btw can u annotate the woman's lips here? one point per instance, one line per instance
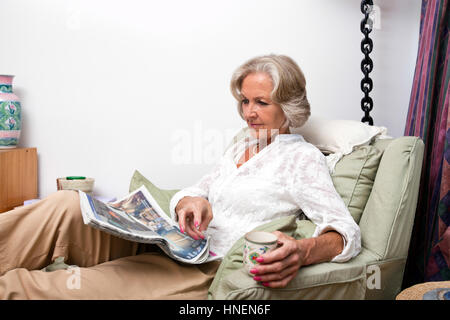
(255, 125)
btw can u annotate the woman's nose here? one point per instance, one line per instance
(251, 116)
(250, 110)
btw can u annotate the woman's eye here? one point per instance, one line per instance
(245, 101)
(262, 103)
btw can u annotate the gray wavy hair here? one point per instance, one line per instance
(289, 86)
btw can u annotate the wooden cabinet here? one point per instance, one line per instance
(18, 177)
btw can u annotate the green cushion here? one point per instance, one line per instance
(58, 264)
(161, 196)
(353, 178)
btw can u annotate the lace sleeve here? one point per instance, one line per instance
(312, 188)
(200, 189)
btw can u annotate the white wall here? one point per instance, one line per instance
(106, 84)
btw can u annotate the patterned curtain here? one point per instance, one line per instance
(428, 118)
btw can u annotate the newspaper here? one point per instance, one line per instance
(138, 217)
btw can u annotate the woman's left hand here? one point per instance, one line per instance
(278, 267)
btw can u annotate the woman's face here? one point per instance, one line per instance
(260, 113)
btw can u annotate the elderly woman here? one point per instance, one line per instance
(272, 174)
(268, 174)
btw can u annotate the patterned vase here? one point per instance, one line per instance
(10, 114)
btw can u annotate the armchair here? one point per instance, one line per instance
(386, 225)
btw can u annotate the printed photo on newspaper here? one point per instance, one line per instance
(138, 217)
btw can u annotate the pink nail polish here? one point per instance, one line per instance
(265, 284)
(259, 259)
(181, 229)
(256, 278)
(254, 271)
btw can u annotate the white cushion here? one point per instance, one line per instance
(332, 136)
(336, 138)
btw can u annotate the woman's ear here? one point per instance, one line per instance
(285, 126)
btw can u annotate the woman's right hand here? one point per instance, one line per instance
(194, 216)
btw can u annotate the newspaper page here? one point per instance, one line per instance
(138, 217)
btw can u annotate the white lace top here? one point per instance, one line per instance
(286, 177)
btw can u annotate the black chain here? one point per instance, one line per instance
(366, 63)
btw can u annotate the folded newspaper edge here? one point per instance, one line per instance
(138, 217)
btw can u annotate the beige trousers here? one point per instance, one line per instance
(103, 266)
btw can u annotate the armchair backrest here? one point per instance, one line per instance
(388, 217)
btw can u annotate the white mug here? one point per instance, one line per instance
(257, 243)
